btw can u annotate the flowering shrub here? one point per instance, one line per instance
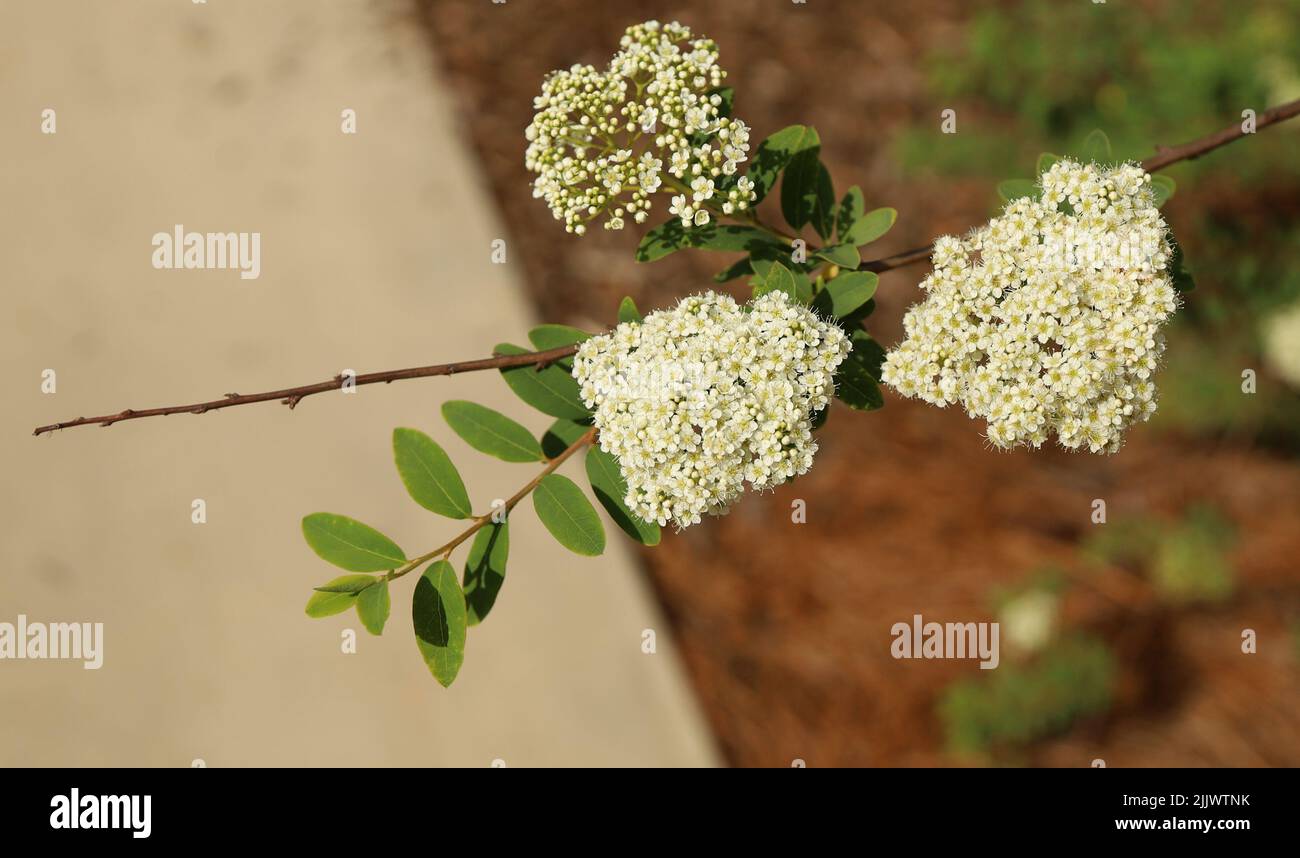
(1044, 321)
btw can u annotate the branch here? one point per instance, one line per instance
(1166, 155)
(291, 396)
(1188, 151)
(444, 551)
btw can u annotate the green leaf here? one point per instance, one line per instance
(551, 390)
(854, 319)
(740, 268)
(1014, 189)
(668, 237)
(568, 515)
(1162, 188)
(546, 337)
(373, 605)
(855, 387)
(1178, 273)
(728, 96)
(348, 543)
(730, 237)
(440, 619)
(807, 195)
(774, 153)
(491, 432)
(610, 488)
(871, 226)
(428, 474)
(1096, 147)
(774, 275)
(843, 255)
(778, 279)
(349, 584)
(485, 570)
(1045, 162)
(850, 212)
(847, 293)
(627, 312)
(561, 435)
(867, 352)
(336, 596)
(671, 237)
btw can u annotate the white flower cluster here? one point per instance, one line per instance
(605, 141)
(1048, 319)
(697, 400)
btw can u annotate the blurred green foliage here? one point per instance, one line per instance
(1021, 703)
(1186, 560)
(1039, 76)
(1143, 72)
(1061, 678)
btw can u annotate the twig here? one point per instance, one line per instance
(898, 260)
(291, 396)
(1166, 155)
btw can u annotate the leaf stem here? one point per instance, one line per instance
(444, 551)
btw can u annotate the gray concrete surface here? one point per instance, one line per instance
(225, 116)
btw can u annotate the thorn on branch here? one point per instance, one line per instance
(291, 401)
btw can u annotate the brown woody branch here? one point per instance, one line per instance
(291, 396)
(1165, 156)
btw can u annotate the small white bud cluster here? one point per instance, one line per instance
(697, 400)
(1048, 319)
(605, 141)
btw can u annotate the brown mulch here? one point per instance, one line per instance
(785, 627)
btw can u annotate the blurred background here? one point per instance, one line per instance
(1121, 642)
(1125, 638)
